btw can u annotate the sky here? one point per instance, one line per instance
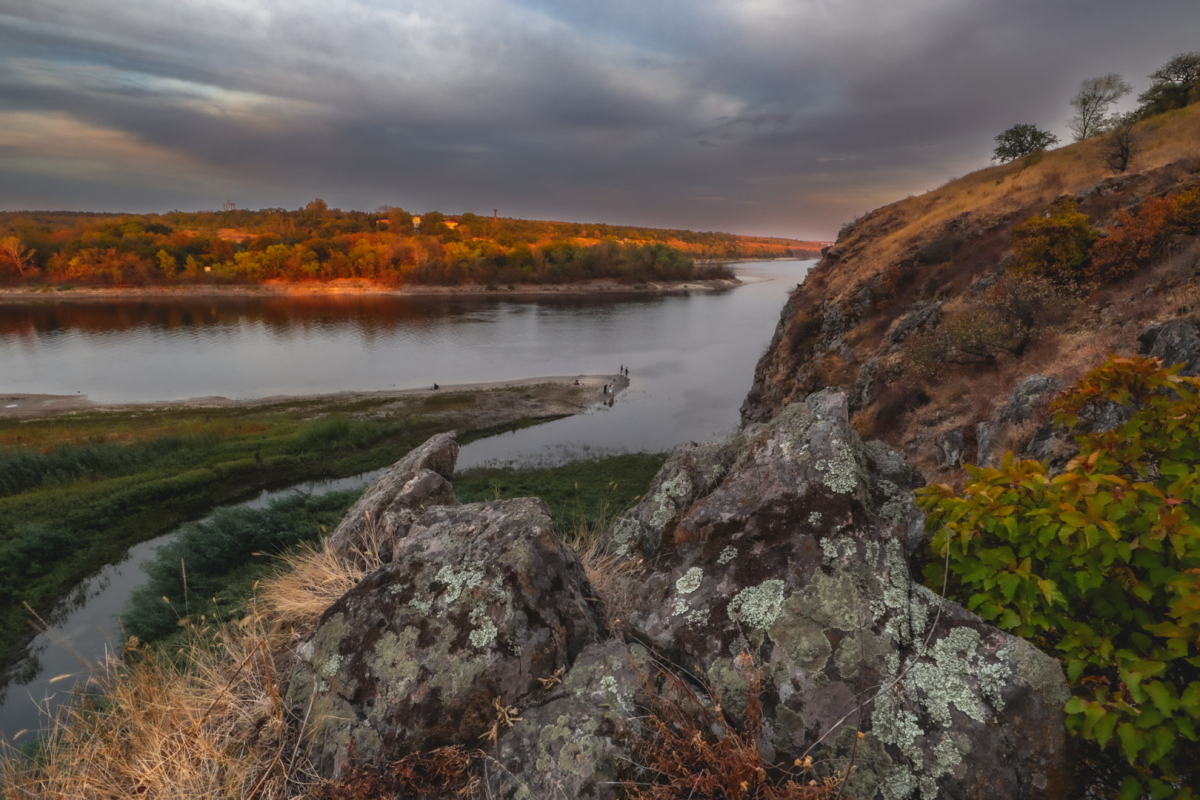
(768, 117)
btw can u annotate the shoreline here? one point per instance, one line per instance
(18, 405)
(357, 288)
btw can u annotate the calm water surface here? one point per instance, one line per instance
(691, 360)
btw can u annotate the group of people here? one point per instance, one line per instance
(611, 388)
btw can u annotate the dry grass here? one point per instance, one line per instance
(688, 749)
(442, 773)
(1009, 188)
(205, 722)
(312, 579)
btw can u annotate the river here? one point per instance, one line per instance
(690, 356)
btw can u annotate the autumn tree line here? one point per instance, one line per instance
(318, 243)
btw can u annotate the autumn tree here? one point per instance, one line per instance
(1021, 140)
(14, 254)
(1092, 102)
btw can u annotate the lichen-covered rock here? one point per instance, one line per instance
(388, 507)
(1175, 342)
(482, 601)
(791, 560)
(689, 473)
(570, 745)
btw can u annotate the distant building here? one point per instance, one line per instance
(416, 222)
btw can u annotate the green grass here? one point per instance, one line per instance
(579, 493)
(226, 556)
(76, 491)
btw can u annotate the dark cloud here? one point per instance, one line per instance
(760, 116)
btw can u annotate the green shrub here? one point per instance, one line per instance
(1054, 245)
(1102, 564)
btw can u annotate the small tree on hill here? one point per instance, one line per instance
(1176, 84)
(1122, 140)
(1092, 102)
(1021, 140)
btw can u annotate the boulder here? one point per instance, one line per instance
(792, 561)
(388, 507)
(950, 446)
(570, 744)
(483, 600)
(1175, 342)
(1031, 393)
(689, 473)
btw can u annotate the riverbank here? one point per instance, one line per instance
(554, 395)
(80, 484)
(359, 287)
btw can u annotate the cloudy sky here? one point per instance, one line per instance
(782, 117)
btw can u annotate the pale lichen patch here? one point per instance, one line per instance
(690, 581)
(727, 555)
(758, 606)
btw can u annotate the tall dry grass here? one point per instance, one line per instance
(203, 719)
(203, 722)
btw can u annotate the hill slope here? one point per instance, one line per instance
(918, 311)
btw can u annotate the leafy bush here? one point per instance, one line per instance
(1132, 242)
(1102, 564)
(1054, 245)
(1186, 213)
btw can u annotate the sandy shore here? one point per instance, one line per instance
(351, 287)
(541, 396)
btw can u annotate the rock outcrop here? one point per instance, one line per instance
(1175, 342)
(794, 560)
(388, 508)
(1026, 399)
(572, 744)
(787, 548)
(483, 600)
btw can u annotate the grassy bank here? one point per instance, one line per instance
(77, 490)
(225, 557)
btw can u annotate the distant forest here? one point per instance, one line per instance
(389, 246)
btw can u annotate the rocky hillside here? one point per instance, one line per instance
(946, 352)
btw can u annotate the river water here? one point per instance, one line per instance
(691, 359)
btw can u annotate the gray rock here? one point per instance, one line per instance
(950, 446)
(387, 508)
(389, 518)
(922, 314)
(1025, 400)
(790, 560)
(689, 473)
(570, 745)
(1175, 342)
(482, 601)
(865, 388)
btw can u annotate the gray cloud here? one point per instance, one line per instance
(760, 116)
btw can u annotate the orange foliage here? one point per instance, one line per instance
(1132, 242)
